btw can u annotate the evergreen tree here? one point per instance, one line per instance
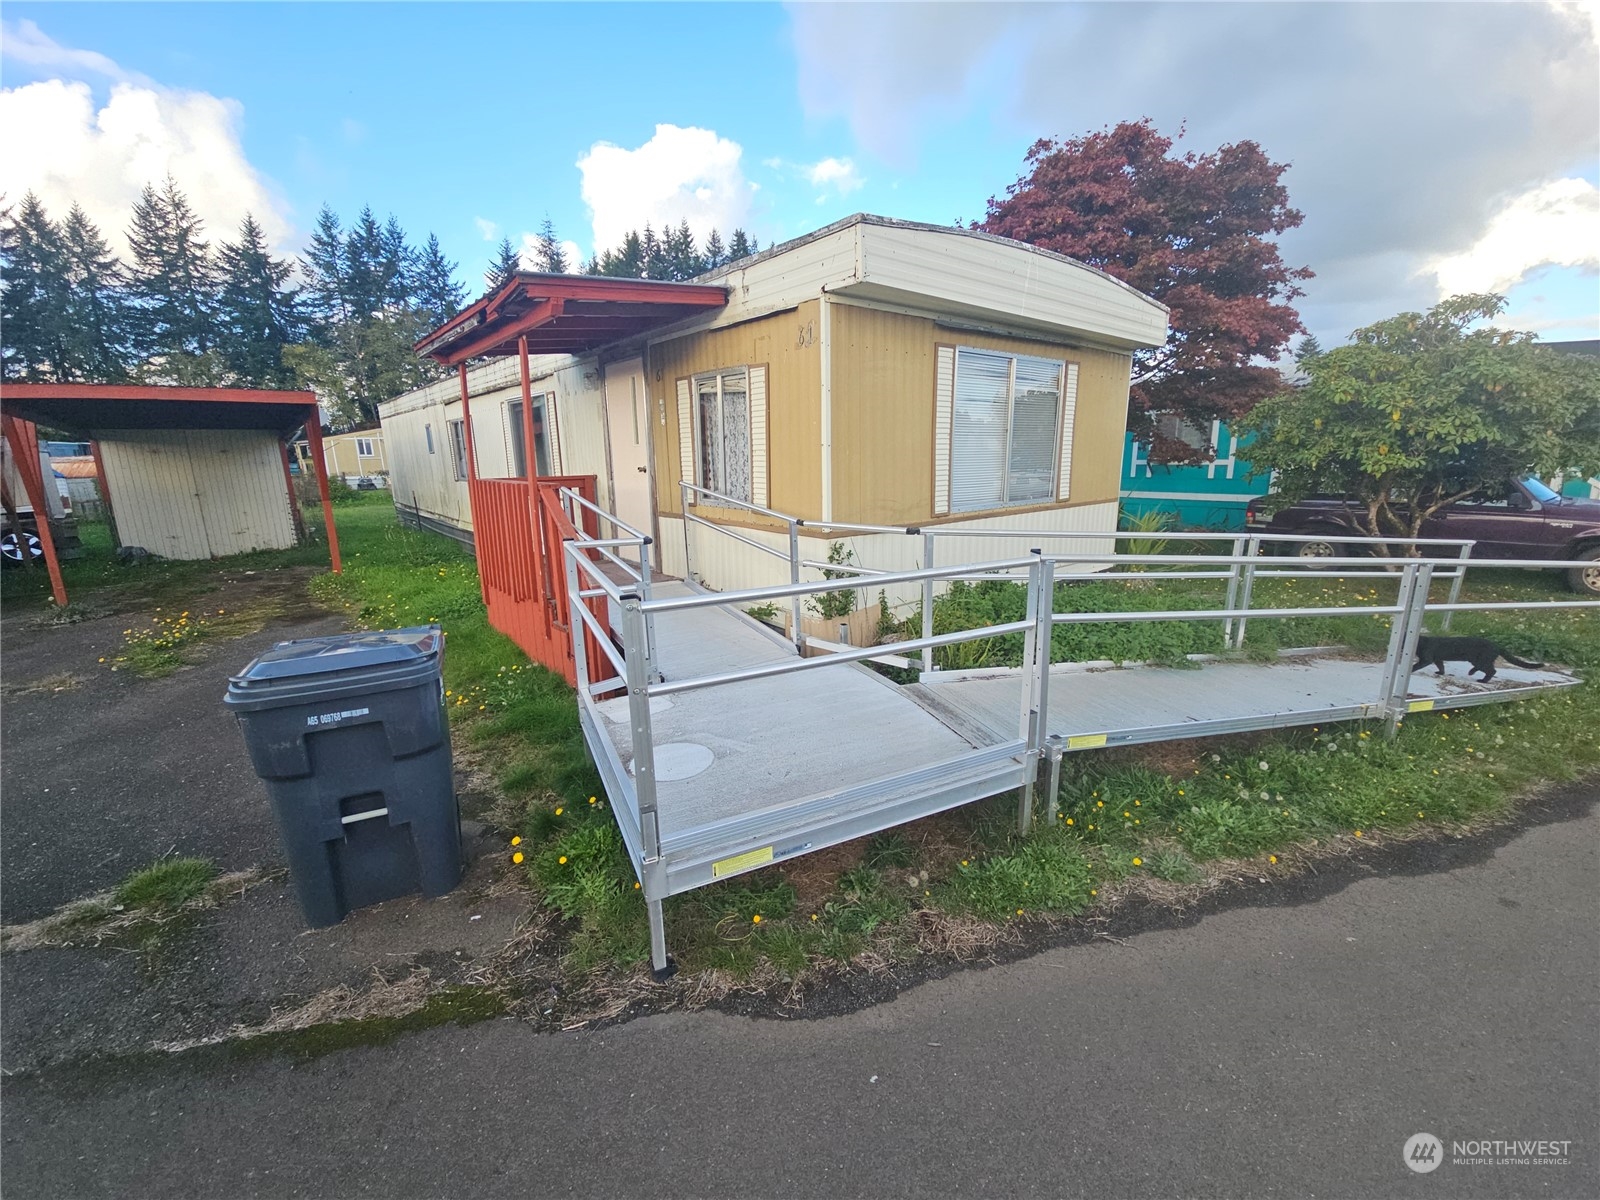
(652, 262)
(506, 263)
(740, 246)
(324, 269)
(398, 267)
(94, 329)
(174, 288)
(437, 292)
(549, 257)
(682, 259)
(716, 254)
(626, 262)
(367, 266)
(35, 294)
(257, 310)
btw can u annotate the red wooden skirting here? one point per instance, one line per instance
(522, 572)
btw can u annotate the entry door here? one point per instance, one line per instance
(628, 433)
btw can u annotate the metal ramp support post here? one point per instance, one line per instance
(1233, 590)
(1246, 588)
(636, 658)
(1036, 670)
(1054, 752)
(927, 603)
(794, 577)
(1403, 648)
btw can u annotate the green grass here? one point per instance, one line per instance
(166, 885)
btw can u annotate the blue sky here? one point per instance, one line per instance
(1433, 147)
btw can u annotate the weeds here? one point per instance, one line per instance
(166, 885)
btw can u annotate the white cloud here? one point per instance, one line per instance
(840, 174)
(1407, 126)
(1556, 224)
(680, 174)
(488, 228)
(528, 252)
(59, 142)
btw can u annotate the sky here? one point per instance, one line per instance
(1434, 148)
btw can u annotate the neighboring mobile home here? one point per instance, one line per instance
(1205, 495)
(874, 372)
(352, 456)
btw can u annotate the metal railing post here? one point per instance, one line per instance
(927, 603)
(580, 654)
(644, 591)
(794, 577)
(1031, 695)
(1457, 578)
(1246, 588)
(1233, 590)
(636, 657)
(1406, 646)
(683, 507)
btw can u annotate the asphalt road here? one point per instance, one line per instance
(1263, 1052)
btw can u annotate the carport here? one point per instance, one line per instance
(180, 459)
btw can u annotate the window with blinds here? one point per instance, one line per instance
(1005, 430)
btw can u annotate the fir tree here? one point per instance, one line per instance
(367, 266)
(682, 259)
(326, 302)
(506, 263)
(398, 268)
(94, 329)
(35, 293)
(716, 254)
(652, 262)
(257, 309)
(740, 246)
(437, 292)
(548, 256)
(174, 287)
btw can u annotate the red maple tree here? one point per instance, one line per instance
(1195, 231)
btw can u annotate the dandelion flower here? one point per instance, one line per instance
(559, 810)
(636, 885)
(591, 799)
(756, 920)
(813, 916)
(102, 660)
(517, 857)
(1138, 862)
(1069, 819)
(1094, 891)
(562, 860)
(1358, 833)
(1272, 858)
(517, 841)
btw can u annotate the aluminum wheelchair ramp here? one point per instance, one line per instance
(1115, 706)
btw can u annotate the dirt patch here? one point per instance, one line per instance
(814, 876)
(60, 681)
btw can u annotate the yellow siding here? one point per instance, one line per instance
(787, 343)
(191, 494)
(883, 414)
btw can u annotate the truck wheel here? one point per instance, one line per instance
(1586, 579)
(1323, 547)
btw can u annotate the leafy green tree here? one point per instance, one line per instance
(438, 294)
(257, 310)
(1425, 409)
(548, 256)
(506, 263)
(35, 296)
(174, 289)
(360, 364)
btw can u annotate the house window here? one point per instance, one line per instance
(363, 447)
(1005, 434)
(541, 438)
(427, 433)
(1191, 433)
(722, 432)
(458, 448)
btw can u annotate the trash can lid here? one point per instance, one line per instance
(344, 652)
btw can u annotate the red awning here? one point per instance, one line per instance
(564, 314)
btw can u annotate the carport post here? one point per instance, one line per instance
(24, 439)
(105, 492)
(294, 501)
(314, 437)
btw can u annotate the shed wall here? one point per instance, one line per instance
(198, 493)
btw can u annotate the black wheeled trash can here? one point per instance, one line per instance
(350, 736)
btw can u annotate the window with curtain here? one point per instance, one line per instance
(722, 432)
(1005, 430)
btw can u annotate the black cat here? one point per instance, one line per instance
(1480, 652)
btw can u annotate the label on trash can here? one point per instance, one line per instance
(334, 718)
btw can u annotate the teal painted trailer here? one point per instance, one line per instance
(1208, 495)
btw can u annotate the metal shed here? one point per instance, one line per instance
(185, 473)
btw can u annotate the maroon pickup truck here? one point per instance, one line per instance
(1527, 520)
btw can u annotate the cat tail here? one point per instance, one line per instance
(1517, 662)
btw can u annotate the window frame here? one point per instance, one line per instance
(367, 453)
(1049, 497)
(456, 431)
(541, 435)
(719, 464)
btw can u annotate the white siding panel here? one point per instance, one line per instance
(944, 395)
(759, 490)
(1069, 414)
(194, 494)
